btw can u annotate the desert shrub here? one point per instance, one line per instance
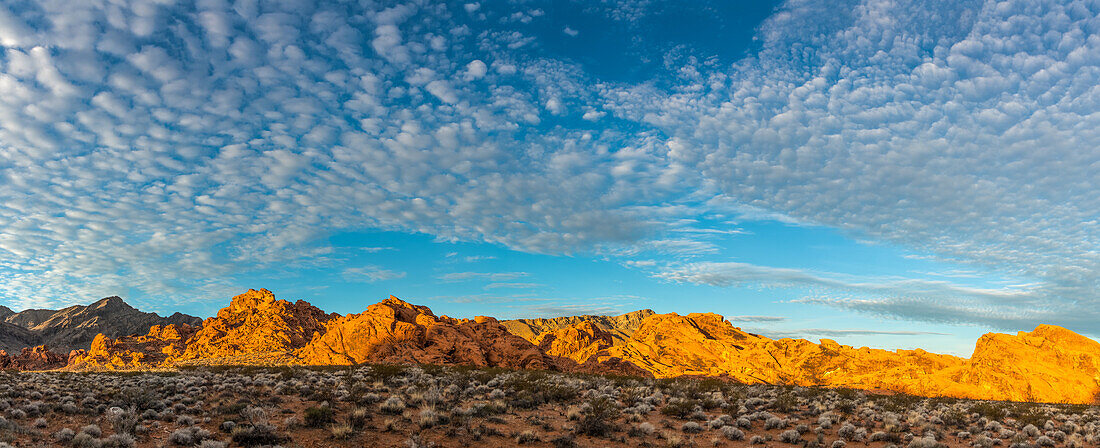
(92, 430)
(691, 428)
(119, 441)
(924, 442)
(597, 417)
(257, 435)
(189, 436)
(394, 405)
(565, 441)
(342, 431)
(64, 435)
(991, 411)
(527, 436)
(679, 407)
(733, 433)
(227, 426)
(318, 416)
(790, 436)
(641, 430)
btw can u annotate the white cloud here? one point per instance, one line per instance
(168, 148)
(476, 69)
(371, 274)
(494, 276)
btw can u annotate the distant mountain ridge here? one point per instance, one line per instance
(76, 326)
(1049, 364)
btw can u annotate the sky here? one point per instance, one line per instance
(892, 174)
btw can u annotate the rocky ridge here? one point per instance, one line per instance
(76, 326)
(1049, 364)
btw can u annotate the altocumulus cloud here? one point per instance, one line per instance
(160, 147)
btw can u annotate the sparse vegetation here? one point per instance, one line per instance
(451, 407)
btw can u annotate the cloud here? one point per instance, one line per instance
(755, 318)
(493, 276)
(804, 333)
(1011, 307)
(168, 149)
(513, 285)
(371, 274)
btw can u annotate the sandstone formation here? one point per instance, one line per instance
(255, 323)
(579, 342)
(32, 358)
(1048, 364)
(134, 352)
(619, 327)
(75, 327)
(394, 331)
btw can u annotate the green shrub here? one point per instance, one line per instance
(319, 416)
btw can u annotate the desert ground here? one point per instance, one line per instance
(432, 406)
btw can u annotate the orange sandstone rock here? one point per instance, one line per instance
(134, 352)
(32, 358)
(255, 323)
(394, 331)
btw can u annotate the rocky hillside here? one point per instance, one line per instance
(1049, 364)
(76, 326)
(618, 327)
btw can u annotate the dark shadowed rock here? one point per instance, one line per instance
(76, 326)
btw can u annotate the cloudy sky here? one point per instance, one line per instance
(884, 173)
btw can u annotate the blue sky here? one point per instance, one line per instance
(883, 173)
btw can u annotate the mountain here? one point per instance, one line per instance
(76, 326)
(618, 327)
(1049, 364)
(395, 331)
(13, 337)
(255, 324)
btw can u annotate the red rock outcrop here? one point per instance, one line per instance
(255, 323)
(1048, 364)
(619, 327)
(394, 331)
(32, 358)
(579, 341)
(134, 352)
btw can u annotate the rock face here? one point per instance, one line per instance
(1050, 364)
(32, 358)
(75, 327)
(394, 331)
(579, 342)
(13, 337)
(255, 324)
(134, 352)
(619, 327)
